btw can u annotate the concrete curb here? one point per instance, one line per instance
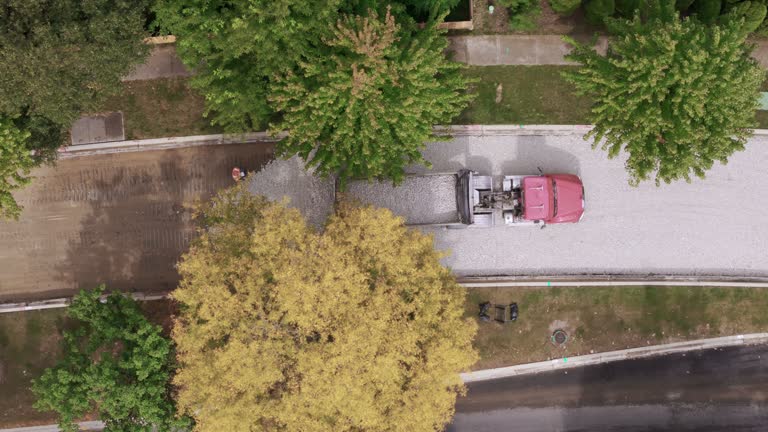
(254, 137)
(605, 280)
(64, 302)
(612, 356)
(481, 282)
(84, 426)
(165, 143)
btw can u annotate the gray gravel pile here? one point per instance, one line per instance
(312, 195)
(427, 199)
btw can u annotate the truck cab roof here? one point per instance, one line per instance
(553, 198)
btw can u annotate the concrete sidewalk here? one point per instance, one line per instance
(482, 50)
(496, 50)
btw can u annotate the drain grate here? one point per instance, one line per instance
(559, 337)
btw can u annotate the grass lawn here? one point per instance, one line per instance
(532, 95)
(30, 343)
(605, 319)
(161, 108)
(529, 95)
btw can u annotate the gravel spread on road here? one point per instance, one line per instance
(429, 199)
(288, 178)
(714, 226)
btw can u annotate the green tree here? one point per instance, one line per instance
(751, 12)
(364, 105)
(282, 328)
(676, 95)
(707, 11)
(596, 11)
(237, 46)
(564, 7)
(115, 362)
(59, 58)
(16, 162)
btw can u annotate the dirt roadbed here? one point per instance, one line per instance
(120, 219)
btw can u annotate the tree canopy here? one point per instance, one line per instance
(676, 95)
(115, 362)
(358, 328)
(236, 46)
(59, 58)
(16, 162)
(365, 104)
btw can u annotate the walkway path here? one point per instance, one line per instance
(474, 50)
(534, 50)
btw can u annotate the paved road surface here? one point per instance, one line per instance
(713, 390)
(121, 219)
(716, 226)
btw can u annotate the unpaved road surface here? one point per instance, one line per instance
(120, 219)
(716, 226)
(704, 391)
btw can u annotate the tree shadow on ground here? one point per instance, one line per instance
(141, 222)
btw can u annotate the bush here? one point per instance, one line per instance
(627, 8)
(518, 6)
(752, 12)
(598, 10)
(683, 5)
(707, 11)
(565, 7)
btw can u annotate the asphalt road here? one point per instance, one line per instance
(716, 226)
(713, 390)
(119, 219)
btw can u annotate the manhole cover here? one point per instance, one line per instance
(559, 337)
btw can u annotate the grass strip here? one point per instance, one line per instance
(159, 108)
(600, 319)
(526, 95)
(30, 342)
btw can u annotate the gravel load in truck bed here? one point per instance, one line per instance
(429, 199)
(312, 195)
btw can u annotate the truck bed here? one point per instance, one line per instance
(428, 199)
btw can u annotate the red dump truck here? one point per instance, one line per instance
(467, 199)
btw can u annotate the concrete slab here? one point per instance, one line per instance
(98, 128)
(458, 47)
(481, 50)
(519, 51)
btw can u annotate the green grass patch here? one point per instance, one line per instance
(29, 343)
(160, 108)
(532, 95)
(605, 319)
(529, 95)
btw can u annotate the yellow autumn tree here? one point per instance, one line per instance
(357, 328)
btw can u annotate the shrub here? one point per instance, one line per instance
(565, 7)
(518, 6)
(627, 8)
(752, 12)
(683, 5)
(598, 10)
(707, 11)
